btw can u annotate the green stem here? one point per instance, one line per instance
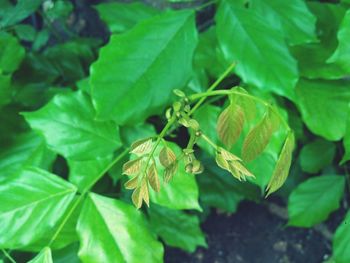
(11, 259)
(212, 87)
(159, 139)
(209, 141)
(204, 95)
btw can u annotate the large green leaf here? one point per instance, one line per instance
(244, 37)
(291, 17)
(133, 67)
(68, 124)
(84, 173)
(120, 17)
(182, 190)
(28, 149)
(313, 200)
(324, 106)
(32, 203)
(5, 89)
(312, 57)
(20, 11)
(341, 241)
(177, 228)
(43, 257)
(316, 155)
(113, 231)
(11, 53)
(346, 141)
(341, 56)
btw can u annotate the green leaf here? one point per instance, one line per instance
(113, 231)
(120, 17)
(84, 173)
(60, 9)
(11, 53)
(5, 89)
(25, 32)
(324, 106)
(341, 56)
(283, 164)
(27, 149)
(132, 66)
(244, 36)
(346, 141)
(230, 125)
(68, 124)
(19, 12)
(182, 190)
(258, 137)
(313, 200)
(312, 58)
(341, 241)
(291, 17)
(207, 116)
(43, 257)
(316, 155)
(34, 199)
(177, 228)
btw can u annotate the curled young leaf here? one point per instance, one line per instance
(167, 157)
(230, 124)
(142, 147)
(153, 179)
(259, 137)
(283, 164)
(232, 164)
(132, 167)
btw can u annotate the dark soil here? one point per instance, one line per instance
(255, 235)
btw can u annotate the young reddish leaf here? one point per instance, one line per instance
(142, 147)
(170, 171)
(230, 124)
(283, 164)
(259, 137)
(153, 177)
(132, 183)
(246, 103)
(144, 191)
(132, 167)
(167, 157)
(136, 197)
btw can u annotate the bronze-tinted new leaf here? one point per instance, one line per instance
(132, 167)
(132, 183)
(153, 177)
(170, 171)
(230, 124)
(136, 198)
(144, 191)
(247, 104)
(228, 155)
(259, 137)
(167, 157)
(142, 147)
(283, 164)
